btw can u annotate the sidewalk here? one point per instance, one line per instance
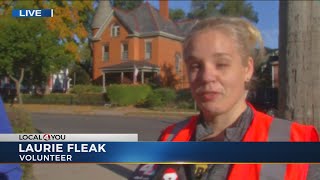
(101, 110)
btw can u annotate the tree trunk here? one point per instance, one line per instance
(299, 73)
(18, 85)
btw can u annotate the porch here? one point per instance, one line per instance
(129, 72)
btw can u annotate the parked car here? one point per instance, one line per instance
(8, 91)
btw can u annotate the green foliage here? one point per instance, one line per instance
(86, 58)
(54, 98)
(28, 44)
(83, 89)
(127, 5)
(184, 95)
(90, 99)
(71, 19)
(185, 105)
(123, 95)
(154, 100)
(66, 99)
(177, 14)
(22, 123)
(161, 97)
(203, 8)
(184, 99)
(79, 75)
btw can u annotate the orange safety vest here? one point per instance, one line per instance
(263, 128)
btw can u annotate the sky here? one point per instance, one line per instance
(268, 13)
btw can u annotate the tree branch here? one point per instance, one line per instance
(21, 75)
(13, 78)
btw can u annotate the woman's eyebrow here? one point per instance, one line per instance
(192, 58)
(217, 55)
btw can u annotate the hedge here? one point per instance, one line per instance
(90, 99)
(161, 97)
(120, 95)
(66, 99)
(123, 95)
(85, 89)
(184, 99)
(22, 123)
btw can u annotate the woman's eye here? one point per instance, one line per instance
(222, 65)
(194, 66)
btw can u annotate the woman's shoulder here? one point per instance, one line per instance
(302, 132)
(176, 127)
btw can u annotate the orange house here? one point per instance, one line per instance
(138, 46)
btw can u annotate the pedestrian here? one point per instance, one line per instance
(219, 54)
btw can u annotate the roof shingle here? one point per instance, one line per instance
(130, 64)
(146, 19)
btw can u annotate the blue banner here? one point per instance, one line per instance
(28, 13)
(159, 152)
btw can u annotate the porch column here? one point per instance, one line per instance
(122, 77)
(104, 81)
(142, 77)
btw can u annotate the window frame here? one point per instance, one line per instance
(115, 30)
(178, 62)
(124, 56)
(145, 49)
(103, 52)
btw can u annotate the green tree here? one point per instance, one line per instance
(86, 59)
(71, 19)
(126, 5)
(240, 8)
(79, 75)
(177, 14)
(27, 46)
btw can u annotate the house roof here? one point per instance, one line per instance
(146, 20)
(186, 26)
(102, 13)
(130, 65)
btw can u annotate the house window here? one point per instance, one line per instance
(178, 63)
(148, 50)
(124, 51)
(115, 30)
(105, 51)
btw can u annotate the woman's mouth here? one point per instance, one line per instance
(208, 96)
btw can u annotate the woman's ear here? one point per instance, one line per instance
(249, 69)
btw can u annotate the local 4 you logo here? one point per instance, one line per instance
(45, 137)
(30, 13)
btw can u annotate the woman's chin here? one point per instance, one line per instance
(211, 107)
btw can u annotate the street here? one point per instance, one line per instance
(147, 127)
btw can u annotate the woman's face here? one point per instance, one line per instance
(217, 73)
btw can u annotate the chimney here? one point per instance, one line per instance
(164, 8)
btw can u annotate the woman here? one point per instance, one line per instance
(219, 56)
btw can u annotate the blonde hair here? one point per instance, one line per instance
(245, 34)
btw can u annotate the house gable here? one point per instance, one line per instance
(145, 21)
(137, 27)
(109, 21)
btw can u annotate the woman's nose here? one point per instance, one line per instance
(208, 73)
